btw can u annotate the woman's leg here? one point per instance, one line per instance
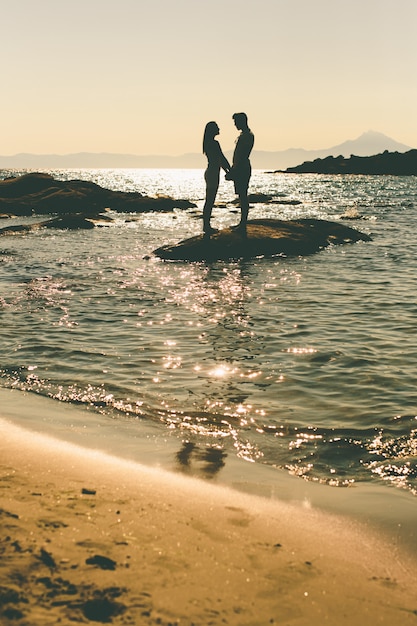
(211, 192)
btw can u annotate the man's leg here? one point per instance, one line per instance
(244, 209)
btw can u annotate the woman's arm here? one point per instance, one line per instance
(224, 163)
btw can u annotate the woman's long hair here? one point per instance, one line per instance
(210, 131)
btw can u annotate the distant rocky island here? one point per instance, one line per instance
(386, 163)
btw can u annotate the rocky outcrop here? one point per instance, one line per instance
(386, 163)
(41, 194)
(264, 237)
(67, 222)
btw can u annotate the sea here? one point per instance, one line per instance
(304, 366)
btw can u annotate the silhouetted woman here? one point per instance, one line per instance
(216, 160)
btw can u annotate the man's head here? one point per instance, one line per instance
(241, 120)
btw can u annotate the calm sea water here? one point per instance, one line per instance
(305, 364)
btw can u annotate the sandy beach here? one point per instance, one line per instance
(86, 537)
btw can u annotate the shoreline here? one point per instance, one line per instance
(383, 507)
(88, 537)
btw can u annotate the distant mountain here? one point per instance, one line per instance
(367, 144)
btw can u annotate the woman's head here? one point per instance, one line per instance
(210, 132)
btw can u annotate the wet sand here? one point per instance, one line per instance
(88, 538)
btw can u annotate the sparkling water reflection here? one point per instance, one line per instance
(306, 364)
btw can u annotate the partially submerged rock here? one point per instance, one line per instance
(66, 222)
(264, 237)
(263, 198)
(40, 193)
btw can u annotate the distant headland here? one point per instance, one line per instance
(386, 163)
(370, 142)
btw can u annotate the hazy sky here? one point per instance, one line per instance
(144, 76)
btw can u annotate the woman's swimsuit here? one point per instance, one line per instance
(216, 160)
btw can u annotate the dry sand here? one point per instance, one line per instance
(87, 538)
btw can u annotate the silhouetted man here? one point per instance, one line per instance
(241, 167)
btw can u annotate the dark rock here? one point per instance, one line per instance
(24, 185)
(264, 198)
(11, 595)
(263, 238)
(5, 513)
(103, 562)
(72, 222)
(40, 193)
(46, 558)
(13, 614)
(102, 609)
(256, 197)
(18, 229)
(386, 163)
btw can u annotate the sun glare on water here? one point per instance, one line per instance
(221, 371)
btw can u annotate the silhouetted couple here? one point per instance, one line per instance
(239, 172)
